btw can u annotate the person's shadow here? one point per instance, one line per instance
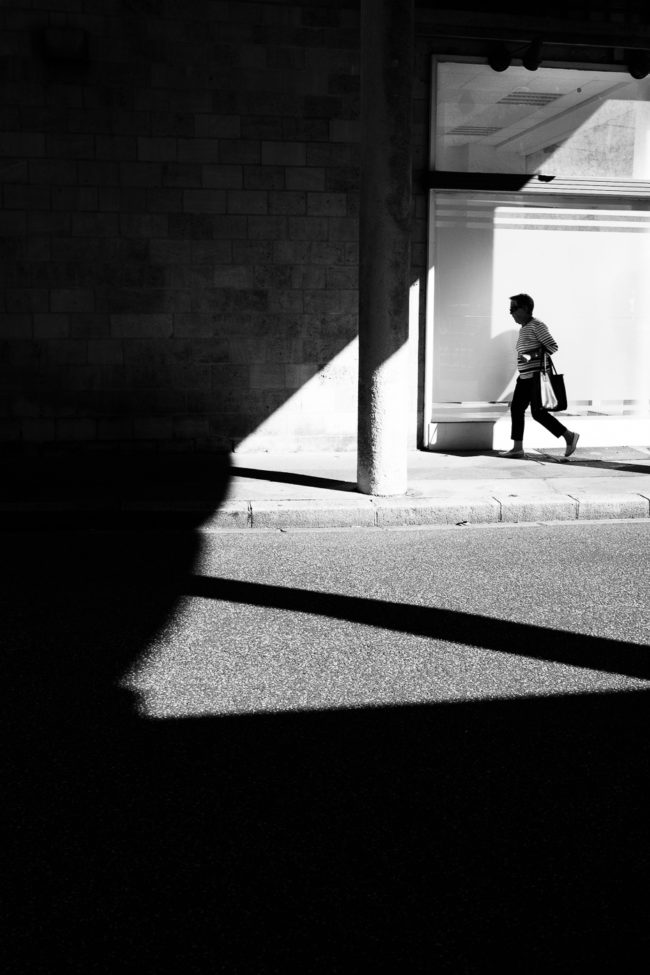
(443, 837)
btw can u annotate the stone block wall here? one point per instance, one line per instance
(178, 228)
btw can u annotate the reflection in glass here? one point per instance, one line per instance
(555, 121)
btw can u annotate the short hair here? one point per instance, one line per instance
(524, 301)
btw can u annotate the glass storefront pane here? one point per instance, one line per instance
(564, 122)
(586, 268)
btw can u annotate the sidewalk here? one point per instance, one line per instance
(300, 491)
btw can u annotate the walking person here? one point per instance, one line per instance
(533, 340)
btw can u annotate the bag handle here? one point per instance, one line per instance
(547, 361)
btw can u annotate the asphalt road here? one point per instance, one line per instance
(304, 620)
(419, 750)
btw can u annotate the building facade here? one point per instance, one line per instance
(180, 219)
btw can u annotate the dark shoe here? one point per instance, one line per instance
(571, 444)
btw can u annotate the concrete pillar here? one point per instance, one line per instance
(387, 66)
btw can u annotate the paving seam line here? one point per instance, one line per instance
(620, 500)
(646, 497)
(500, 503)
(577, 501)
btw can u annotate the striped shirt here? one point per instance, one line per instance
(530, 340)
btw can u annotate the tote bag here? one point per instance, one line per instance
(552, 386)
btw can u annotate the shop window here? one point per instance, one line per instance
(573, 230)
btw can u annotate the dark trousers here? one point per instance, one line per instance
(527, 393)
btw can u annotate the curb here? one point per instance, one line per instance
(377, 512)
(367, 512)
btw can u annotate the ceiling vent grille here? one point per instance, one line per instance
(537, 98)
(474, 130)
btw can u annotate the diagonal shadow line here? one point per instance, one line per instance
(308, 480)
(452, 626)
(539, 455)
(603, 465)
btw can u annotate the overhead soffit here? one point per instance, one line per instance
(517, 101)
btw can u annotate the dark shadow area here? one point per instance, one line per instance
(135, 310)
(430, 838)
(99, 490)
(501, 182)
(285, 477)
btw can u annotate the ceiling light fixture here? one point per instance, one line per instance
(533, 55)
(638, 64)
(499, 57)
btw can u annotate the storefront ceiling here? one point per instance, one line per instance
(531, 107)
